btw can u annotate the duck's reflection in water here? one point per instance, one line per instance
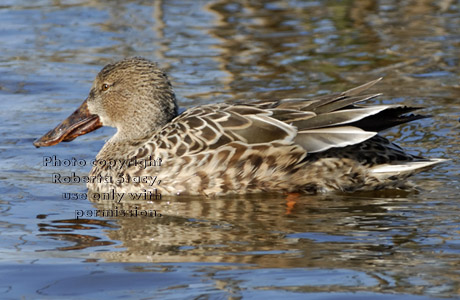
(367, 233)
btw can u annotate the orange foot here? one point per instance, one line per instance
(291, 200)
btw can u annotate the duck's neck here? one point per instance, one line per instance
(128, 139)
(146, 118)
(115, 149)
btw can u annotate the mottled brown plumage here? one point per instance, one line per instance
(327, 143)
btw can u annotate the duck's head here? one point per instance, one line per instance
(132, 95)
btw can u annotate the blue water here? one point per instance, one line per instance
(384, 245)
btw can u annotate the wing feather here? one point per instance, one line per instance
(322, 139)
(316, 124)
(340, 117)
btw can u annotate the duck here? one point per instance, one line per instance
(323, 144)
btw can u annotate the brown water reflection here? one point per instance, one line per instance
(235, 230)
(273, 49)
(385, 235)
(64, 230)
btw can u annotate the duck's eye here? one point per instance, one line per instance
(105, 87)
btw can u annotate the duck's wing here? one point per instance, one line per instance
(212, 126)
(337, 120)
(316, 124)
(340, 109)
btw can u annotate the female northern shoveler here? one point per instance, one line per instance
(313, 145)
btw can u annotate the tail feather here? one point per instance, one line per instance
(403, 169)
(394, 115)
